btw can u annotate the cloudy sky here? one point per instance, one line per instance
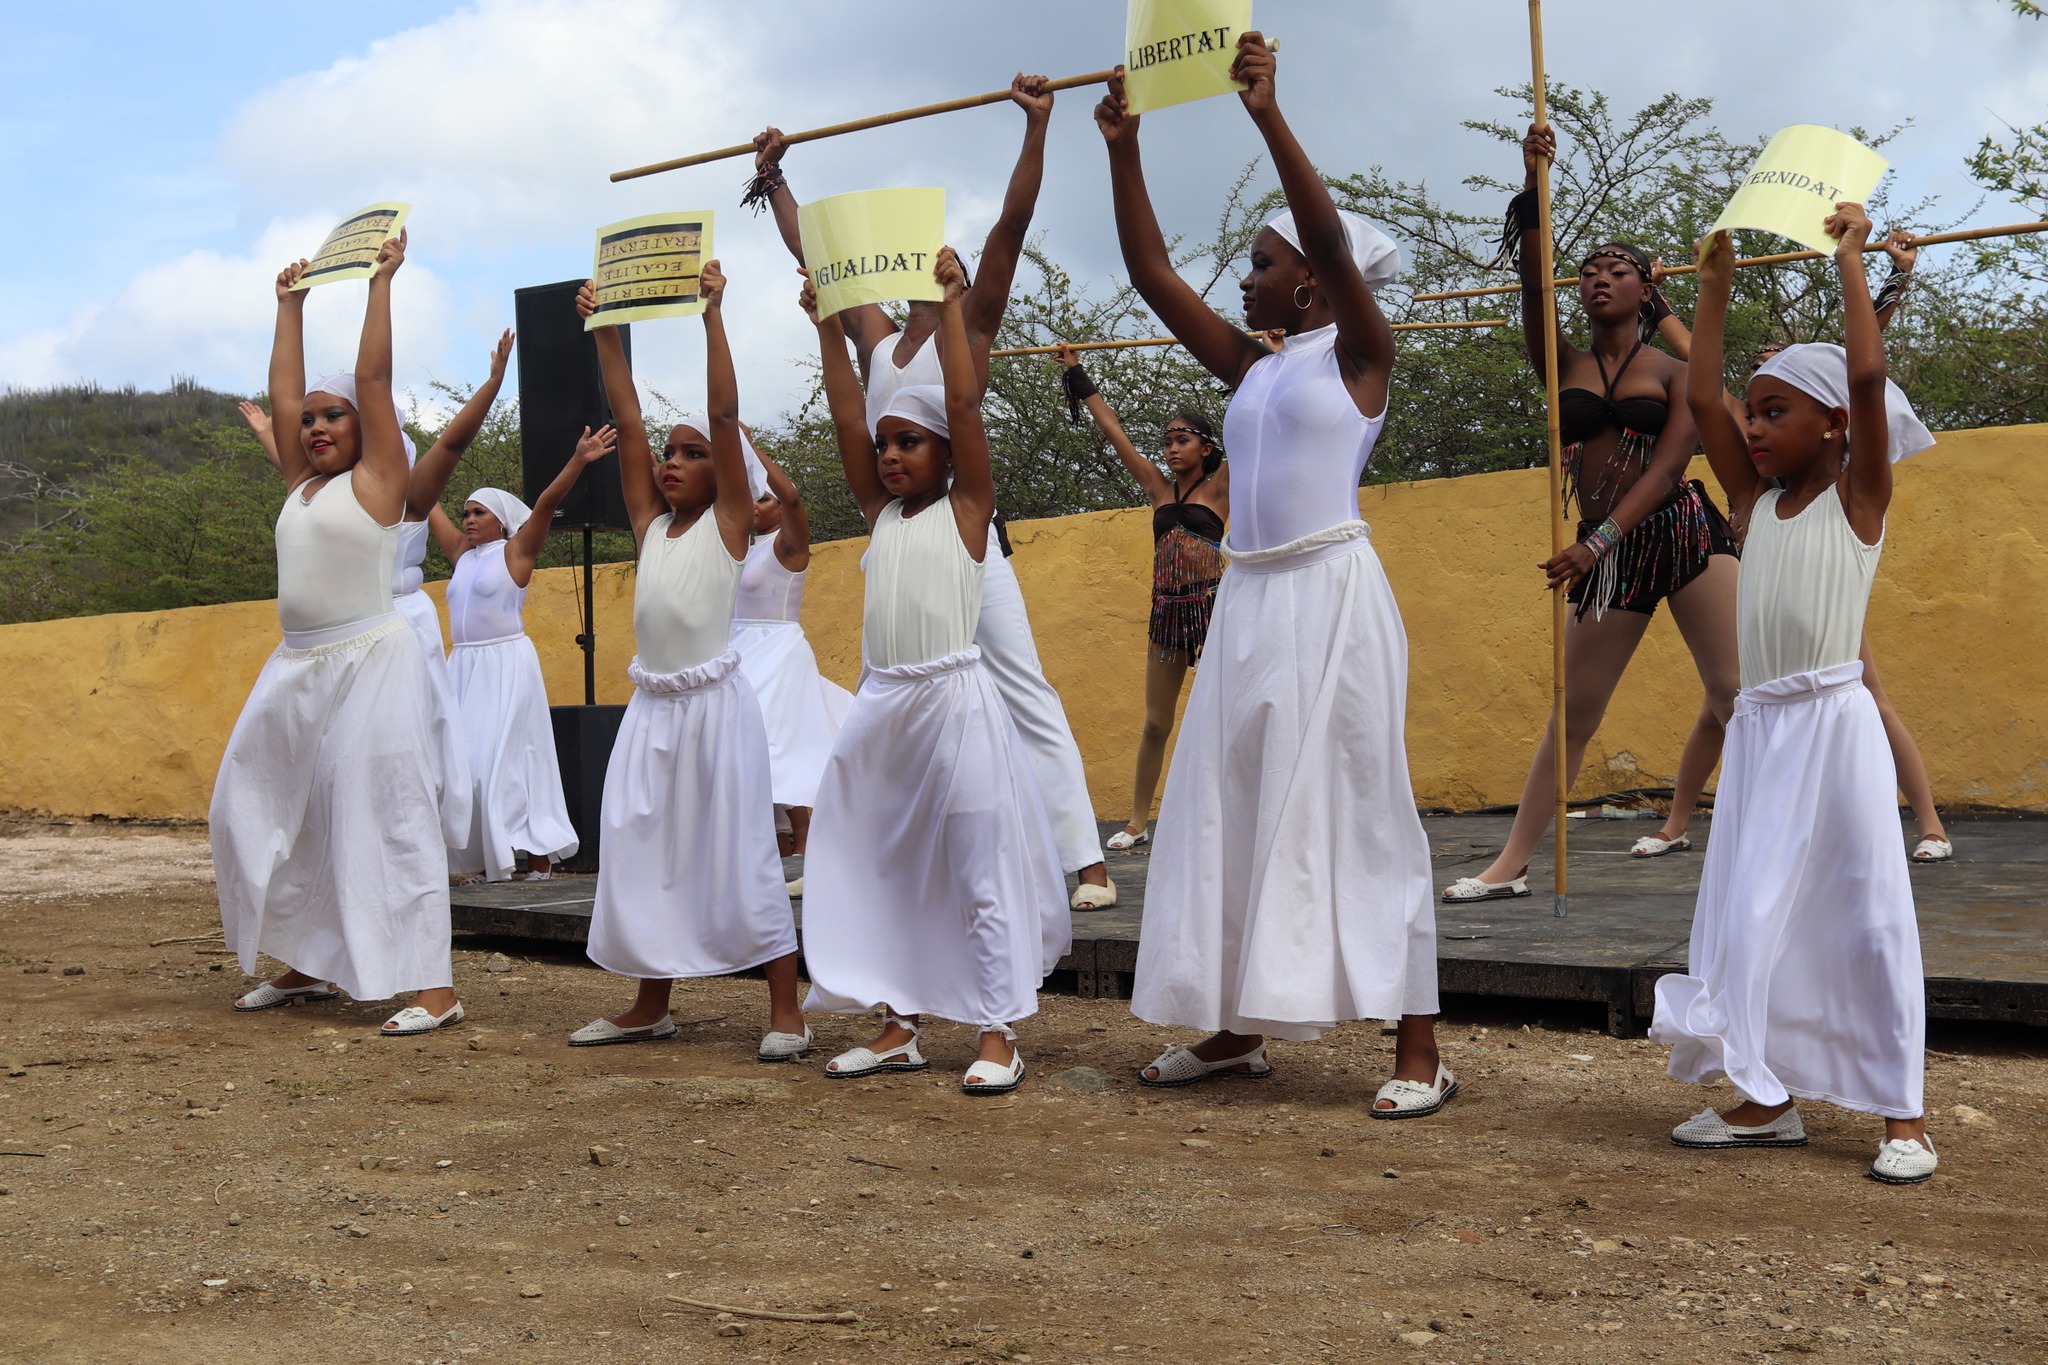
(163, 161)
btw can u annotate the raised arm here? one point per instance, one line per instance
(793, 540)
(381, 474)
(446, 534)
(1363, 336)
(735, 506)
(523, 549)
(288, 376)
(866, 323)
(1904, 250)
(983, 308)
(1867, 484)
(259, 424)
(1222, 349)
(636, 461)
(430, 476)
(1726, 444)
(849, 411)
(1538, 147)
(1156, 487)
(974, 481)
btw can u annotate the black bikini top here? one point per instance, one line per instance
(1583, 414)
(1192, 517)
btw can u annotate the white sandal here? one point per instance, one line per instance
(412, 1019)
(795, 888)
(1472, 889)
(782, 1047)
(1087, 897)
(269, 997)
(1180, 1066)
(1655, 846)
(856, 1062)
(1933, 851)
(1904, 1161)
(599, 1032)
(993, 1078)
(1413, 1099)
(1124, 840)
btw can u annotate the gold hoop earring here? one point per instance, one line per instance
(1299, 301)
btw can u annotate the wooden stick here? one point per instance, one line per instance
(1175, 341)
(1777, 258)
(858, 125)
(195, 938)
(763, 1312)
(875, 121)
(1546, 247)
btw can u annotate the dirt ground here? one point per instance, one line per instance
(182, 1183)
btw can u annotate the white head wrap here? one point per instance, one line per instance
(1820, 370)
(922, 404)
(510, 511)
(757, 473)
(343, 386)
(1378, 259)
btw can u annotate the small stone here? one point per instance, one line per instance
(1196, 1142)
(864, 1194)
(1965, 1114)
(731, 1329)
(1580, 1056)
(1390, 1174)
(234, 1220)
(531, 1291)
(443, 1165)
(1328, 1151)
(1027, 1253)
(497, 962)
(623, 1221)
(74, 971)
(477, 1043)
(885, 1286)
(370, 1163)
(603, 1156)
(1085, 1079)
(229, 1085)
(358, 1230)
(1418, 1338)
(1469, 1236)
(215, 1284)
(440, 1255)
(1603, 1245)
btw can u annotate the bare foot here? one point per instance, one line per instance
(1415, 1053)
(1750, 1114)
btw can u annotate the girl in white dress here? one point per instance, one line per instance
(1803, 976)
(329, 820)
(688, 879)
(802, 708)
(500, 694)
(1289, 887)
(932, 883)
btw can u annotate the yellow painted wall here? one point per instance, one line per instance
(127, 715)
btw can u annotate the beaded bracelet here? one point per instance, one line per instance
(1602, 538)
(761, 187)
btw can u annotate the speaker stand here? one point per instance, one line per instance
(588, 639)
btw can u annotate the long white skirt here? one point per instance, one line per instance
(502, 707)
(797, 705)
(418, 611)
(932, 883)
(1010, 655)
(1804, 972)
(329, 822)
(1290, 879)
(689, 882)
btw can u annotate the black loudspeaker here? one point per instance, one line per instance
(561, 391)
(583, 746)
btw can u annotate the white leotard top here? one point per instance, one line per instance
(768, 591)
(333, 559)
(1298, 445)
(923, 598)
(412, 552)
(483, 602)
(1803, 590)
(884, 378)
(683, 595)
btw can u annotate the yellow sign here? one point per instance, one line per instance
(873, 246)
(647, 268)
(1181, 50)
(1804, 172)
(350, 251)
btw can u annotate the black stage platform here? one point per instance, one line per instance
(1983, 919)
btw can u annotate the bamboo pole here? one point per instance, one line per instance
(1560, 904)
(1777, 258)
(1128, 342)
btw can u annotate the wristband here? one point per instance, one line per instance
(761, 187)
(1894, 289)
(1522, 217)
(1079, 388)
(1602, 538)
